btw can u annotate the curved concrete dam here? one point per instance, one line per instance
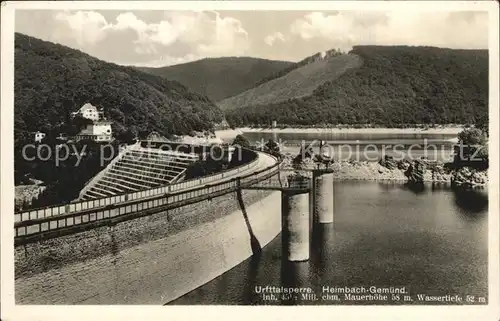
(149, 260)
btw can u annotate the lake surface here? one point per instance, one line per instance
(364, 146)
(347, 136)
(432, 240)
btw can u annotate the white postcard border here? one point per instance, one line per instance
(12, 312)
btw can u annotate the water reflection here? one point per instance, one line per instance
(415, 188)
(472, 202)
(251, 280)
(322, 236)
(294, 275)
(437, 186)
(389, 185)
(430, 238)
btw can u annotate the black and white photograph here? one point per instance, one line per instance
(253, 153)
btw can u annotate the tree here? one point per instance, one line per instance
(128, 136)
(472, 149)
(241, 140)
(272, 146)
(473, 136)
(80, 122)
(482, 124)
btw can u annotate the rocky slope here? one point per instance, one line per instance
(418, 171)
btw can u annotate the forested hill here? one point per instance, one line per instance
(394, 85)
(52, 80)
(219, 78)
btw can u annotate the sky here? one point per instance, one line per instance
(160, 38)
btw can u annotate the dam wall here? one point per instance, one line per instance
(148, 260)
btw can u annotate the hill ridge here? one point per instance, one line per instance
(222, 77)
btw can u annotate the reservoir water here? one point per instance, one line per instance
(364, 146)
(431, 240)
(349, 136)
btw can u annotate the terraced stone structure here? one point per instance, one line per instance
(137, 169)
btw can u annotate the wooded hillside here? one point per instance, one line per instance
(394, 85)
(52, 80)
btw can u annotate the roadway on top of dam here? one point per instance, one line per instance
(264, 161)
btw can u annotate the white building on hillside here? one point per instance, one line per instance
(39, 136)
(98, 131)
(88, 111)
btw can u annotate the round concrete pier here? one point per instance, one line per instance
(295, 225)
(323, 191)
